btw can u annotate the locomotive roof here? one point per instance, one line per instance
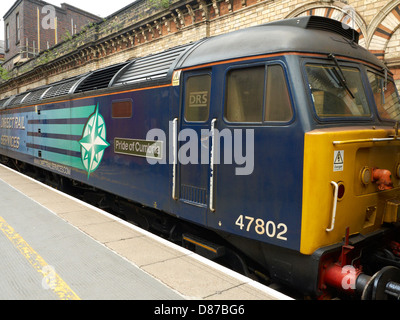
(311, 34)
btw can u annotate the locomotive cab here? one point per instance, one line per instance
(351, 180)
(322, 112)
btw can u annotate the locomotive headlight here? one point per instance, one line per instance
(341, 190)
(365, 175)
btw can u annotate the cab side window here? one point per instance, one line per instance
(257, 94)
(277, 105)
(244, 95)
(197, 98)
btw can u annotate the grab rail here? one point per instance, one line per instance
(175, 160)
(212, 204)
(335, 200)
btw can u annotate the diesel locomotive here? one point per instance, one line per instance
(280, 139)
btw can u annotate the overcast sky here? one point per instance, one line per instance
(102, 8)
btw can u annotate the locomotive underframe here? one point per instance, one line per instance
(346, 269)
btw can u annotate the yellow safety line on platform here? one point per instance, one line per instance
(51, 280)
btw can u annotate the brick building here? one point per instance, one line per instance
(146, 27)
(32, 26)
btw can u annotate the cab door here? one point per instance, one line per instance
(258, 178)
(194, 146)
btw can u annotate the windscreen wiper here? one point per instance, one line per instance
(385, 71)
(383, 88)
(340, 74)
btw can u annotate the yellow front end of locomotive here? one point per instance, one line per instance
(351, 180)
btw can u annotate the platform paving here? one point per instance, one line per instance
(53, 247)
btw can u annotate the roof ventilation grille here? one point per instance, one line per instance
(320, 23)
(60, 89)
(151, 68)
(99, 79)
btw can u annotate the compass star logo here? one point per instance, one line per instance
(93, 142)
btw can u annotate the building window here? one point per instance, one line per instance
(7, 37)
(18, 28)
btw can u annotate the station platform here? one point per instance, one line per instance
(55, 247)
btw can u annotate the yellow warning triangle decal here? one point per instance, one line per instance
(339, 158)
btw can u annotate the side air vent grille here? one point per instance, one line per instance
(35, 96)
(3, 102)
(9, 101)
(99, 79)
(60, 89)
(16, 100)
(151, 68)
(322, 23)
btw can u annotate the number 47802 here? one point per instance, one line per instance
(269, 228)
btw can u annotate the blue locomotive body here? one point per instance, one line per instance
(51, 136)
(225, 133)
